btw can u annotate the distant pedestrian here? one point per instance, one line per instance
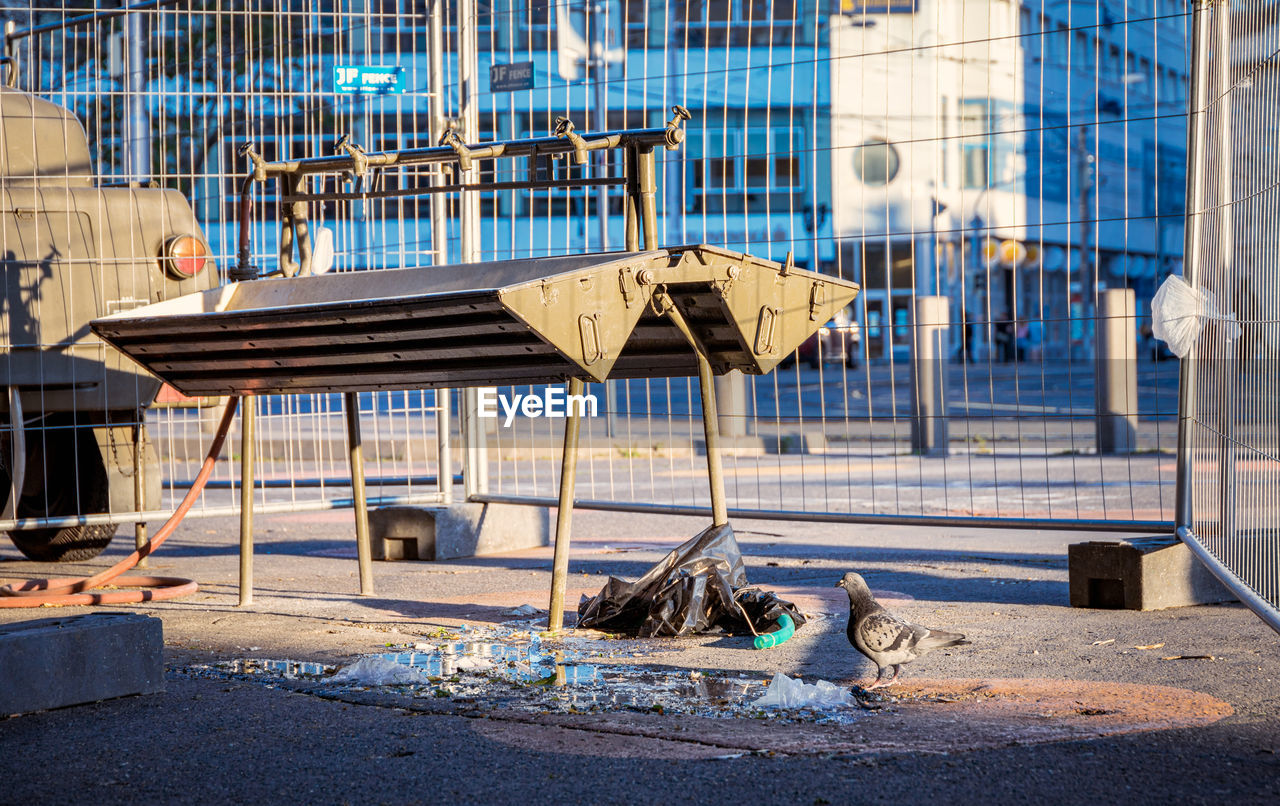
(968, 337)
(1004, 338)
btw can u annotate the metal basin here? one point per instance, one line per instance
(536, 320)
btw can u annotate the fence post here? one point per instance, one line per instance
(1197, 136)
(1116, 373)
(928, 375)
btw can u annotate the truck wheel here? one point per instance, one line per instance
(71, 543)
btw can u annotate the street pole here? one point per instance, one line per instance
(439, 233)
(475, 467)
(137, 131)
(1088, 283)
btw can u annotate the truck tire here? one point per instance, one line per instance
(72, 543)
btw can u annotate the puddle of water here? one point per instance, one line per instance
(286, 669)
(515, 668)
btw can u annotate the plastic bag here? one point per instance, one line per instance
(787, 693)
(1179, 312)
(378, 672)
(699, 587)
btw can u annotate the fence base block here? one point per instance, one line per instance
(1146, 573)
(56, 662)
(460, 530)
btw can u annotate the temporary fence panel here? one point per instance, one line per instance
(1019, 161)
(1230, 457)
(1023, 162)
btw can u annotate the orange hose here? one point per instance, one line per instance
(71, 591)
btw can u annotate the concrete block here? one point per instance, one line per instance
(747, 445)
(55, 662)
(1146, 573)
(402, 533)
(797, 442)
(460, 530)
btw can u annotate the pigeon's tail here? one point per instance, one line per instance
(937, 639)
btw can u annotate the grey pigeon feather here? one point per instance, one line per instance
(888, 641)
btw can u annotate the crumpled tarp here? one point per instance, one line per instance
(699, 587)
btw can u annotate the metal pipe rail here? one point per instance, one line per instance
(356, 163)
(1020, 524)
(669, 137)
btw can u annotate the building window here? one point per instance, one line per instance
(744, 169)
(989, 142)
(739, 23)
(875, 162)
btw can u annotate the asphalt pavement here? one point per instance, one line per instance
(1049, 703)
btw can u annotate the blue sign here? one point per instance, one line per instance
(511, 77)
(373, 80)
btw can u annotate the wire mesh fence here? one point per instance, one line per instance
(1018, 161)
(1230, 438)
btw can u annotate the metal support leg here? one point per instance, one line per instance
(647, 181)
(633, 204)
(564, 511)
(710, 417)
(139, 492)
(711, 429)
(364, 556)
(248, 414)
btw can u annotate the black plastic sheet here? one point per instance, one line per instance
(701, 586)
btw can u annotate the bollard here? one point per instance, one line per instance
(475, 458)
(731, 397)
(1116, 373)
(928, 376)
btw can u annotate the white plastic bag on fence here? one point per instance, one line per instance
(1179, 311)
(787, 693)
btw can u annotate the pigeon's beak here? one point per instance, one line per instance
(839, 584)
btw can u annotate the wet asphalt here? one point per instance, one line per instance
(227, 738)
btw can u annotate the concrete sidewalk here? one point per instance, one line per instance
(1048, 702)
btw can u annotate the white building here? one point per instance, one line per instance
(971, 139)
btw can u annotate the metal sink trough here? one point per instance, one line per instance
(537, 320)
(647, 312)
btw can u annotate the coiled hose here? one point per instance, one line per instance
(73, 591)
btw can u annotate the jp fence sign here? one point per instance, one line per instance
(374, 80)
(511, 77)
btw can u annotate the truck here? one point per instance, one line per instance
(73, 438)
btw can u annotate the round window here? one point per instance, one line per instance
(876, 162)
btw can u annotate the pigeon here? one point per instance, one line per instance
(886, 639)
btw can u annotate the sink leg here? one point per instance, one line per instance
(248, 413)
(711, 430)
(564, 511)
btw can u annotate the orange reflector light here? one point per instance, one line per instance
(185, 256)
